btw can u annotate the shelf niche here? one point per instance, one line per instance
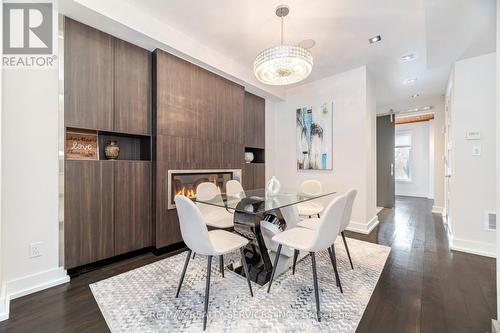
(258, 154)
(132, 147)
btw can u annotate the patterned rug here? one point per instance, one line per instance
(142, 300)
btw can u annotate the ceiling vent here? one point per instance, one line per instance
(491, 221)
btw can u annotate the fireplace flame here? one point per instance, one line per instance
(190, 192)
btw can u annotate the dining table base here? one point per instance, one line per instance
(256, 253)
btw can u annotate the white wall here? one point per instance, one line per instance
(3, 305)
(353, 140)
(438, 147)
(473, 177)
(498, 155)
(420, 161)
(29, 170)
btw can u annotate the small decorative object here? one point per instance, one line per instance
(249, 157)
(273, 186)
(112, 150)
(81, 146)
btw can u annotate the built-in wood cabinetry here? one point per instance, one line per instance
(108, 204)
(132, 88)
(132, 205)
(107, 82)
(255, 120)
(107, 209)
(88, 77)
(254, 176)
(88, 212)
(200, 121)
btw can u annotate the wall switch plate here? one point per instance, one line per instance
(473, 135)
(35, 249)
(476, 150)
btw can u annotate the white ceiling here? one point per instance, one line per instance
(437, 32)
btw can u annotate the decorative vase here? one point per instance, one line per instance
(273, 186)
(249, 157)
(112, 150)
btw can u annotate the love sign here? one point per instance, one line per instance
(81, 146)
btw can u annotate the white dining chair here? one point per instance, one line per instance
(215, 216)
(291, 216)
(313, 241)
(209, 243)
(234, 189)
(346, 218)
(310, 209)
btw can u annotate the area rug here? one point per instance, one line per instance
(143, 300)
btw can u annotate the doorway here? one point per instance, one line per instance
(405, 157)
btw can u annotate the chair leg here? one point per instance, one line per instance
(347, 249)
(183, 273)
(221, 264)
(274, 267)
(315, 280)
(207, 292)
(335, 269)
(245, 268)
(194, 254)
(295, 256)
(318, 215)
(333, 260)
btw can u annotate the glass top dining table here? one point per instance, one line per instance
(250, 209)
(256, 201)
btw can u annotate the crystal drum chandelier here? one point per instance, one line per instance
(283, 64)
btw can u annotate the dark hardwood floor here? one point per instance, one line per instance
(424, 287)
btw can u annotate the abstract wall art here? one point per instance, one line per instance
(314, 137)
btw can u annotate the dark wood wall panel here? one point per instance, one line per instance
(88, 77)
(132, 205)
(132, 88)
(88, 209)
(253, 176)
(255, 120)
(195, 103)
(199, 126)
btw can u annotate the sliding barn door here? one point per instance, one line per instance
(385, 162)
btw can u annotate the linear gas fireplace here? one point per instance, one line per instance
(185, 181)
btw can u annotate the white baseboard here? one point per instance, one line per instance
(363, 228)
(4, 304)
(31, 284)
(411, 194)
(473, 247)
(4, 311)
(438, 210)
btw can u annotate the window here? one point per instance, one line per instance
(402, 167)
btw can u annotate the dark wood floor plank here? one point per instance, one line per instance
(424, 286)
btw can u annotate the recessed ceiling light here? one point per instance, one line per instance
(415, 95)
(408, 57)
(375, 39)
(409, 81)
(307, 43)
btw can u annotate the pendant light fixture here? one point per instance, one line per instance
(283, 64)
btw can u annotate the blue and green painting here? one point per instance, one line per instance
(314, 137)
